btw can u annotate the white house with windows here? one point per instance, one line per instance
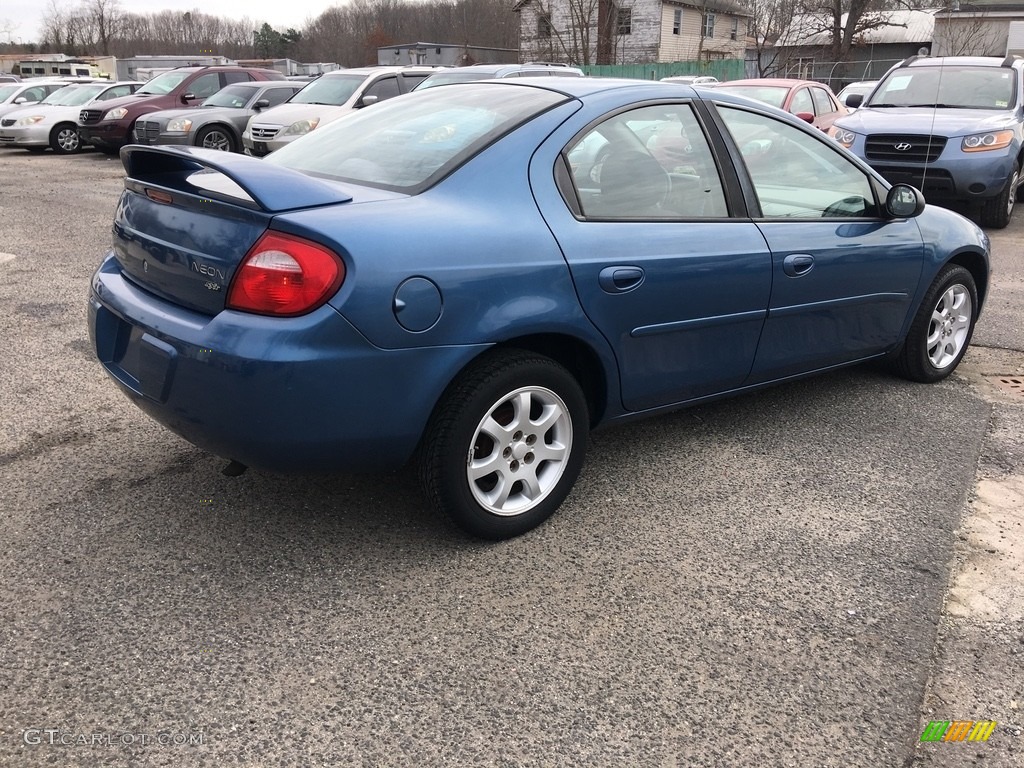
(631, 31)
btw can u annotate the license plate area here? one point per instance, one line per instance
(137, 359)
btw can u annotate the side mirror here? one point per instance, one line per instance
(261, 104)
(21, 100)
(807, 117)
(904, 202)
(854, 100)
(187, 97)
(368, 100)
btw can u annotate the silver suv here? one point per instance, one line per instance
(330, 96)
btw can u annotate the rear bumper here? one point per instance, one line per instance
(286, 394)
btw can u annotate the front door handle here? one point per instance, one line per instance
(797, 264)
(620, 279)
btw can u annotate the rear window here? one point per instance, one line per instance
(774, 95)
(409, 143)
(447, 78)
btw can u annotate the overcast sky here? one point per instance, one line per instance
(24, 17)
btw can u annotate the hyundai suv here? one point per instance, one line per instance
(952, 127)
(108, 127)
(330, 96)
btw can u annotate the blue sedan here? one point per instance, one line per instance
(471, 278)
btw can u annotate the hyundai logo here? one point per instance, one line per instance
(903, 146)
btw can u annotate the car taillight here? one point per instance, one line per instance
(285, 275)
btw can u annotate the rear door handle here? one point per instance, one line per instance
(797, 264)
(620, 279)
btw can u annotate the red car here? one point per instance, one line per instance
(806, 99)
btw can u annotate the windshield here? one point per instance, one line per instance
(952, 85)
(329, 89)
(768, 94)
(236, 96)
(73, 95)
(447, 78)
(164, 83)
(6, 91)
(409, 143)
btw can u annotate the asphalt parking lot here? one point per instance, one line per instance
(763, 581)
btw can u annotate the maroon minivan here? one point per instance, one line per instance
(108, 126)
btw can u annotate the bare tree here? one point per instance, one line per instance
(965, 31)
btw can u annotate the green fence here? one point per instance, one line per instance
(723, 69)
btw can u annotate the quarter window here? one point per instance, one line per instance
(649, 163)
(796, 175)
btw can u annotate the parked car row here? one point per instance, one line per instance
(952, 127)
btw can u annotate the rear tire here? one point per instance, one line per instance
(996, 213)
(64, 139)
(505, 445)
(942, 327)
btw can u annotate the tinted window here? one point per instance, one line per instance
(407, 144)
(385, 88)
(648, 163)
(411, 81)
(278, 95)
(205, 85)
(795, 175)
(236, 77)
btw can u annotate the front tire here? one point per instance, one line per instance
(506, 444)
(64, 139)
(942, 327)
(996, 213)
(216, 137)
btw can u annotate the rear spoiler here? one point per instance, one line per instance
(271, 187)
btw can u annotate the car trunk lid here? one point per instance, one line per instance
(187, 218)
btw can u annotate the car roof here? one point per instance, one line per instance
(969, 61)
(586, 86)
(373, 70)
(781, 82)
